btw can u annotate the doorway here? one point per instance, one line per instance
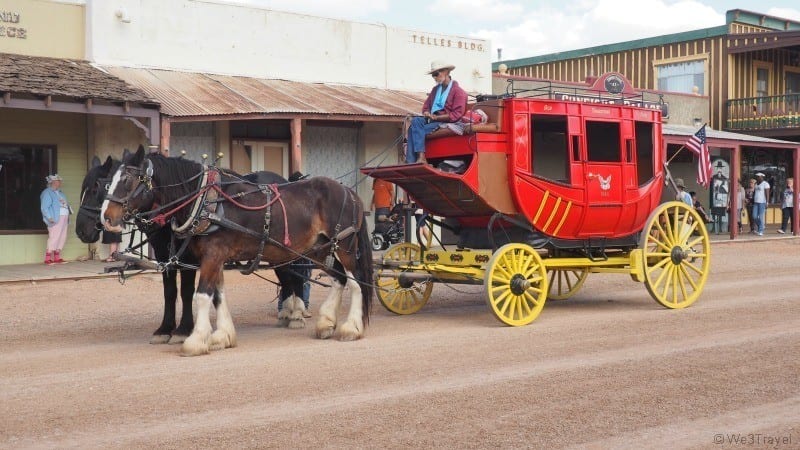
(254, 156)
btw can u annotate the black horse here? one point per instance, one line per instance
(233, 220)
(88, 227)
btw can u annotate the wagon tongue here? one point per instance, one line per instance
(440, 193)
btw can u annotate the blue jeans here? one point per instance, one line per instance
(416, 137)
(759, 214)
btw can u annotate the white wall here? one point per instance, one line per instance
(215, 37)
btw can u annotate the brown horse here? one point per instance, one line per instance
(233, 220)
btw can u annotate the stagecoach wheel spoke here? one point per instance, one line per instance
(515, 279)
(409, 297)
(675, 255)
(564, 283)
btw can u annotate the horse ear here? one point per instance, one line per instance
(138, 157)
(95, 162)
(125, 154)
(108, 163)
(149, 171)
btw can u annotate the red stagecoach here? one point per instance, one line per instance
(559, 183)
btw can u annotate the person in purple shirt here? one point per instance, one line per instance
(446, 103)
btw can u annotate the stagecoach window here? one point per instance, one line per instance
(644, 152)
(22, 172)
(549, 148)
(602, 141)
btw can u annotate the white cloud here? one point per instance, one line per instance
(476, 10)
(543, 30)
(786, 13)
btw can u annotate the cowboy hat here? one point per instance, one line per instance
(440, 65)
(679, 182)
(54, 177)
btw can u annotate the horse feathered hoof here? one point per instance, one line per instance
(296, 324)
(349, 331)
(177, 339)
(283, 317)
(325, 328)
(157, 339)
(220, 340)
(194, 346)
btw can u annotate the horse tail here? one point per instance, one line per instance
(365, 268)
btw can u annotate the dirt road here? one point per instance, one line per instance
(609, 368)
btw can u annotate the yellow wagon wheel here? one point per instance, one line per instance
(564, 283)
(406, 297)
(516, 284)
(676, 254)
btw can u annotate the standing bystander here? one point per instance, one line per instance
(55, 213)
(787, 207)
(760, 197)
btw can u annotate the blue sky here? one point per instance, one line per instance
(524, 28)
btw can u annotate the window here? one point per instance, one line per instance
(682, 77)
(22, 172)
(550, 152)
(644, 151)
(602, 141)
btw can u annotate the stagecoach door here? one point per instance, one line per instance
(603, 173)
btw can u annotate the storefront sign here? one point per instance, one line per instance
(663, 107)
(434, 41)
(11, 31)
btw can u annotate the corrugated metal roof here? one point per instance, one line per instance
(684, 130)
(41, 76)
(185, 94)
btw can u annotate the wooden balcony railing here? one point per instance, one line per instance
(764, 113)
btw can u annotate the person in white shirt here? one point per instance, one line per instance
(760, 196)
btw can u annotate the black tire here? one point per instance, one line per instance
(378, 243)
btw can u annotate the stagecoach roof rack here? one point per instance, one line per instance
(611, 88)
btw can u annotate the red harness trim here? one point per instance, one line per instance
(211, 183)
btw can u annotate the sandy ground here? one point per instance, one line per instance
(609, 368)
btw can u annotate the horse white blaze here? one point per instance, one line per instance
(225, 336)
(353, 327)
(327, 312)
(111, 189)
(197, 342)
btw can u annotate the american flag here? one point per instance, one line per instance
(697, 144)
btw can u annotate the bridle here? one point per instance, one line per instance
(93, 212)
(145, 178)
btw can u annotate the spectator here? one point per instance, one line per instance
(682, 195)
(787, 207)
(113, 240)
(55, 213)
(748, 203)
(760, 197)
(699, 208)
(740, 201)
(301, 267)
(382, 199)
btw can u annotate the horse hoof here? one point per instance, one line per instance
(349, 332)
(193, 347)
(177, 339)
(220, 340)
(157, 339)
(296, 324)
(324, 333)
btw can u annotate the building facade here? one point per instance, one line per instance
(267, 90)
